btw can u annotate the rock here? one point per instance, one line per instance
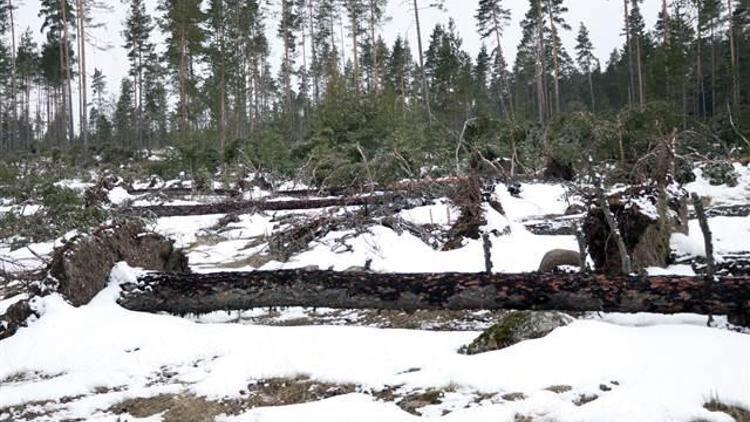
(558, 257)
(514, 189)
(497, 206)
(80, 268)
(720, 173)
(515, 327)
(14, 318)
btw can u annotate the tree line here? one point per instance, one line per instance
(342, 98)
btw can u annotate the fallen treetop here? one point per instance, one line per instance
(201, 293)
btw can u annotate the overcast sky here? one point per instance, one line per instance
(602, 17)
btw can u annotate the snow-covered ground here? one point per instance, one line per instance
(79, 362)
(643, 371)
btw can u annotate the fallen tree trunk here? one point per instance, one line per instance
(178, 191)
(201, 293)
(247, 206)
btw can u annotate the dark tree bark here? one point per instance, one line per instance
(250, 206)
(200, 293)
(701, 213)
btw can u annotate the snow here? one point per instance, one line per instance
(679, 269)
(119, 196)
(656, 367)
(442, 213)
(668, 370)
(729, 234)
(535, 199)
(347, 408)
(722, 194)
(74, 184)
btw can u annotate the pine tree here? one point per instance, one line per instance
(58, 18)
(531, 56)
(137, 35)
(99, 113)
(637, 36)
(356, 14)
(27, 69)
(376, 14)
(289, 24)
(709, 21)
(425, 88)
(500, 88)
(182, 22)
(587, 62)
(492, 20)
(448, 68)
(155, 101)
(481, 74)
(399, 68)
(555, 10)
(124, 117)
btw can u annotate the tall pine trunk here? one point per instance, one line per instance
(68, 76)
(503, 80)
(541, 66)
(314, 53)
(591, 90)
(631, 72)
(733, 57)
(182, 75)
(555, 59)
(13, 84)
(423, 74)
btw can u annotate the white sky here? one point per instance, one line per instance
(602, 17)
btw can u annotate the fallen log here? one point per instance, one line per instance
(563, 225)
(179, 191)
(248, 206)
(201, 293)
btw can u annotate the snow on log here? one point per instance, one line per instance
(201, 293)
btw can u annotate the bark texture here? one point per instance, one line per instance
(201, 293)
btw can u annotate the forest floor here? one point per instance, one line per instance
(104, 363)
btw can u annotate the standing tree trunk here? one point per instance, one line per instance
(373, 47)
(541, 66)
(68, 76)
(83, 101)
(287, 66)
(591, 90)
(13, 84)
(713, 68)
(733, 57)
(423, 74)
(701, 87)
(555, 58)
(62, 134)
(313, 52)
(631, 73)
(639, 67)
(183, 78)
(355, 49)
(499, 52)
(666, 45)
